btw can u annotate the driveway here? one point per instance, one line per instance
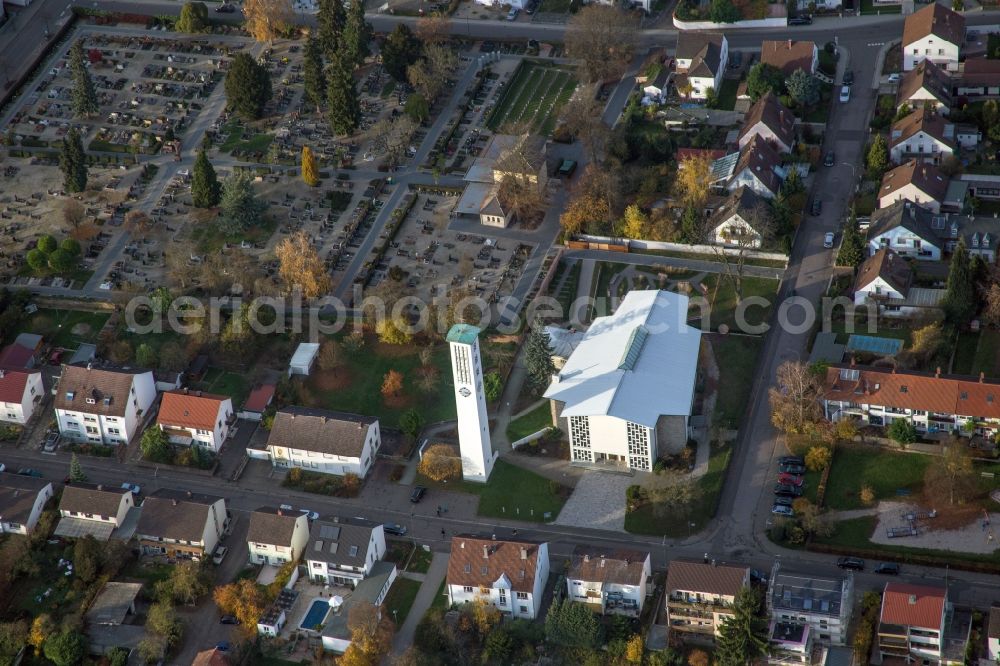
(597, 502)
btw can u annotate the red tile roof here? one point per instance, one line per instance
(692, 576)
(788, 55)
(945, 394)
(476, 562)
(925, 177)
(937, 20)
(913, 605)
(920, 120)
(980, 72)
(15, 356)
(926, 76)
(190, 409)
(887, 265)
(260, 397)
(12, 385)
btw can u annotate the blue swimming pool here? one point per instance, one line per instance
(317, 613)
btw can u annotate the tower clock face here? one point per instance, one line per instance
(464, 392)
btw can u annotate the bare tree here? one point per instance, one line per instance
(434, 28)
(583, 118)
(603, 37)
(794, 398)
(392, 136)
(953, 480)
(756, 232)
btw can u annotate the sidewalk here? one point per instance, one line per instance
(425, 597)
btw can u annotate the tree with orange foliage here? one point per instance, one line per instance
(245, 600)
(371, 635)
(591, 205)
(267, 19)
(694, 176)
(434, 28)
(439, 463)
(392, 384)
(300, 266)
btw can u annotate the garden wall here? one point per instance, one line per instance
(680, 247)
(738, 25)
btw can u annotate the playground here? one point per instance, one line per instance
(904, 524)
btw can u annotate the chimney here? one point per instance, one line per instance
(713, 562)
(173, 502)
(462, 545)
(524, 553)
(852, 361)
(789, 43)
(937, 372)
(2, 373)
(913, 600)
(280, 513)
(90, 365)
(189, 494)
(602, 561)
(486, 551)
(586, 557)
(982, 376)
(100, 487)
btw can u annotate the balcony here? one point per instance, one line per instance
(678, 601)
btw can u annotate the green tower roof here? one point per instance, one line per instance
(465, 334)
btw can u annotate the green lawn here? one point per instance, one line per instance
(56, 326)
(727, 94)
(885, 471)
(257, 143)
(512, 492)
(420, 561)
(965, 353)
(567, 294)
(210, 237)
(528, 424)
(986, 354)
(534, 96)
(666, 521)
(358, 384)
(737, 359)
(400, 599)
(724, 301)
(441, 598)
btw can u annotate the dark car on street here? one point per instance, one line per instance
(792, 468)
(27, 471)
(805, 19)
(848, 78)
(394, 529)
(830, 159)
(791, 460)
(817, 207)
(887, 568)
(787, 490)
(225, 8)
(855, 563)
(228, 619)
(417, 494)
(783, 500)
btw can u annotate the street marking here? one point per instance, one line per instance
(876, 44)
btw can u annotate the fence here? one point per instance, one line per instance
(738, 25)
(630, 245)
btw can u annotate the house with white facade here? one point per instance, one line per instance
(700, 595)
(909, 230)
(93, 509)
(822, 603)
(507, 573)
(924, 184)
(626, 393)
(914, 625)
(932, 402)
(771, 121)
(276, 536)
(978, 78)
(701, 61)
(22, 500)
(20, 392)
(103, 405)
(934, 33)
(926, 85)
(885, 280)
(789, 55)
(319, 440)
(922, 136)
(739, 219)
(611, 580)
(993, 634)
(193, 418)
(181, 524)
(342, 551)
(791, 644)
(335, 635)
(759, 168)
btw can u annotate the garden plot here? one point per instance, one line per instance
(533, 97)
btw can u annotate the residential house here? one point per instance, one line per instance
(507, 573)
(20, 392)
(789, 55)
(932, 402)
(701, 61)
(993, 634)
(915, 625)
(791, 644)
(335, 635)
(276, 536)
(181, 524)
(612, 580)
(934, 33)
(103, 405)
(193, 418)
(771, 121)
(921, 183)
(821, 603)
(23, 353)
(91, 509)
(626, 392)
(968, 136)
(978, 78)
(497, 209)
(211, 657)
(910, 230)
(322, 441)
(22, 499)
(922, 136)
(885, 279)
(759, 168)
(926, 85)
(342, 551)
(654, 91)
(700, 595)
(739, 219)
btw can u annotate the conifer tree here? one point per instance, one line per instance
(314, 81)
(83, 98)
(343, 110)
(73, 162)
(357, 33)
(331, 19)
(205, 189)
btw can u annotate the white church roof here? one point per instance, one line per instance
(637, 364)
(563, 341)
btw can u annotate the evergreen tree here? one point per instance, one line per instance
(204, 182)
(960, 296)
(763, 78)
(248, 87)
(743, 636)
(240, 207)
(82, 96)
(400, 50)
(76, 474)
(343, 110)
(691, 231)
(73, 162)
(357, 33)
(538, 357)
(314, 81)
(193, 18)
(310, 171)
(852, 248)
(877, 158)
(803, 88)
(331, 19)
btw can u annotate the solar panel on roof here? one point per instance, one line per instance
(329, 532)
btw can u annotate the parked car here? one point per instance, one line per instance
(735, 59)
(855, 563)
(791, 460)
(27, 471)
(135, 490)
(887, 568)
(791, 479)
(784, 501)
(792, 468)
(512, 14)
(225, 8)
(895, 77)
(287, 507)
(394, 529)
(830, 159)
(228, 619)
(805, 19)
(222, 646)
(311, 515)
(530, 9)
(417, 494)
(55, 358)
(786, 489)
(220, 554)
(845, 94)
(828, 239)
(51, 442)
(782, 510)
(817, 207)
(848, 78)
